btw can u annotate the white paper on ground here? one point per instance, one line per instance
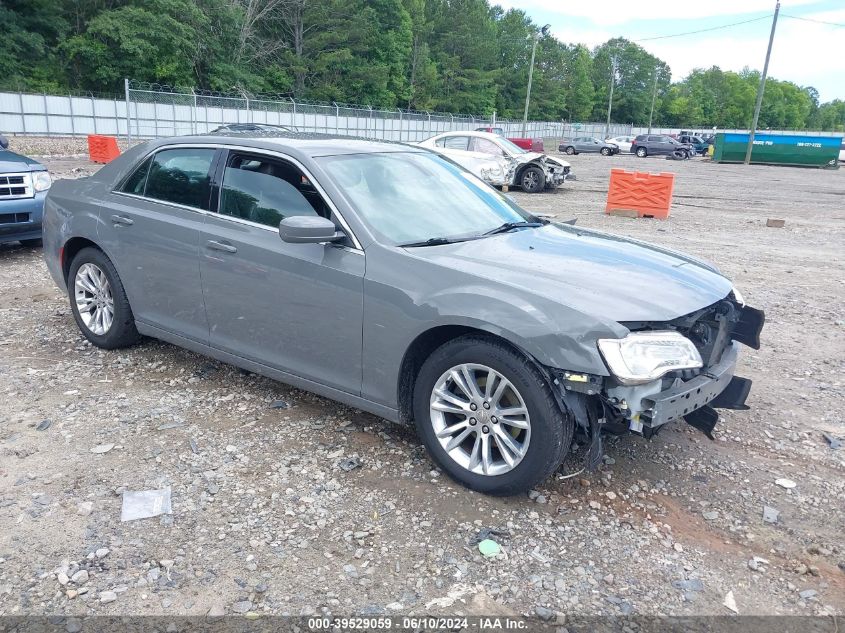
(144, 504)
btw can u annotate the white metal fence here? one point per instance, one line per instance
(61, 115)
(162, 111)
(149, 111)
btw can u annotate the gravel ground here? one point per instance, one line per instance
(270, 516)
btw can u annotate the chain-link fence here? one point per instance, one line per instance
(156, 110)
(149, 111)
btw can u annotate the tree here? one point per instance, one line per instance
(464, 56)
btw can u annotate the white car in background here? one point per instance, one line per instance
(491, 169)
(624, 143)
(531, 171)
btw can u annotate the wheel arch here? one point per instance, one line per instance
(423, 346)
(71, 248)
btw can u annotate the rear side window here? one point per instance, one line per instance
(456, 142)
(181, 176)
(263, 190)
(138, 179)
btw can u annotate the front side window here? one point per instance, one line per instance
(409, 197)
(486, 146)
(181, 176)
(263, 190)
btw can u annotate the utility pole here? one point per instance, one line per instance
(761, 88)
(610, 100)
(537, 36)
(653, 98)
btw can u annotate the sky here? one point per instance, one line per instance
(806, 53)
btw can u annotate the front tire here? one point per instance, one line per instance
(98, 301)
(532, 180)
(642, 152)
(488, 417)
(605, 151)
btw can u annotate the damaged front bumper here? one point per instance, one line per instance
(716, 386)
(691, 395)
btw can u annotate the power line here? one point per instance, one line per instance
(712, 28)
(796, 17)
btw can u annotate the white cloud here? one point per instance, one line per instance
(621, 11)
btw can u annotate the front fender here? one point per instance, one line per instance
(404, 298)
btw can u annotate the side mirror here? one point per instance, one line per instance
(308, 229)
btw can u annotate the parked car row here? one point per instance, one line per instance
(685, 146)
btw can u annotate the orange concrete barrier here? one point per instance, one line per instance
(637, 194)
(102, 149)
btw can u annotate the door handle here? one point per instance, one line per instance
(221, 246)
(123, 220)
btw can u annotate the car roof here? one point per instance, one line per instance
(311, 145)
(489, 135)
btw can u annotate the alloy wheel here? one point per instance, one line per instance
(530, 180)
(480, 419)
(94, 300)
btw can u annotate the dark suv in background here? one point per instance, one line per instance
(660, 145)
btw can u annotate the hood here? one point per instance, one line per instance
(598, 274)
(11, 163)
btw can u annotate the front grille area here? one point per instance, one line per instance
(15, 186)
(14, 218)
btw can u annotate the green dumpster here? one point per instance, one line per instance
(777, 149)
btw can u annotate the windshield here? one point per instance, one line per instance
(511, 147)
(406, 197)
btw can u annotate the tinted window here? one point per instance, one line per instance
(487, 147)
(136, 181)
(456, 142)
(262, 190)
(181, 176)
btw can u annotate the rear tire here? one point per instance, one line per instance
(642, 152)
(532, 179)
(95, 290)
(570, 150)
(516, 450)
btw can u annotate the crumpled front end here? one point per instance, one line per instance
(717, 332)
(556, 172)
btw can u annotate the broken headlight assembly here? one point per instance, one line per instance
(642, 357)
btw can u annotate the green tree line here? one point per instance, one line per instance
(463, 56)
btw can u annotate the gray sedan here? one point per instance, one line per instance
(390, 279)
(588, 144)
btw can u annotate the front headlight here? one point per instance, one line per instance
(738, 296)
(41, 181)
(645, 356)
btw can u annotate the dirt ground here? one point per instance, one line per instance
(266, 518)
